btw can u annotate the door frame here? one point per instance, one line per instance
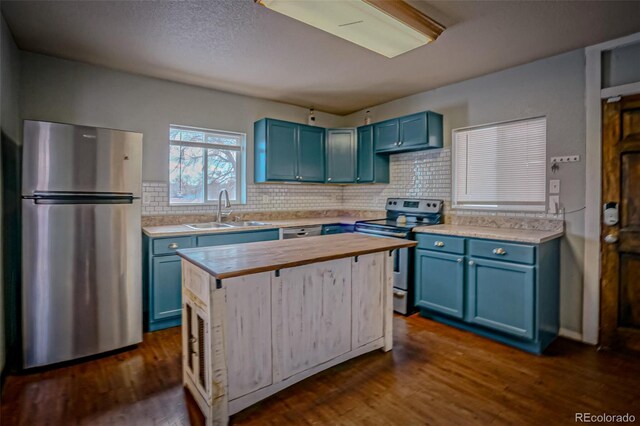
(594, 93)
(609, 334)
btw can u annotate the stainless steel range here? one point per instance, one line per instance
(403, 214)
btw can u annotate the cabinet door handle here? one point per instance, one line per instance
(357, 178)
(471, 263)
(192, 339)
(460, 260)
(499, 251)
(439, 244)
(173, 246)
(328, 179)
(399, 143)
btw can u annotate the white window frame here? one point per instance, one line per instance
(541, 207)
(240, 165)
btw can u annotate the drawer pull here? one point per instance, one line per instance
(439, 244)
(471, 263)
(499, 251)
(173, 246)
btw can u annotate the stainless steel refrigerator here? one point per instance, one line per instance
(81, 244)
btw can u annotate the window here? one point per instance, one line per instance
(501, 166)
(203, 162)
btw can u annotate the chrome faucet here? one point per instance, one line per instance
(227, 204)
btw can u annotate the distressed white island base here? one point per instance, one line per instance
(248, 334)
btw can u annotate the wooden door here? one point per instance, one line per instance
(620, 249)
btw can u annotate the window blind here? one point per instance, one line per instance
(501, 166)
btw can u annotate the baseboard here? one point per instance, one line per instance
(570, 334)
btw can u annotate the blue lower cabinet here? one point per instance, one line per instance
(166, 290)
(502, 296)
(162, 273)
(502, 290)
(440, 282)
(337, 229)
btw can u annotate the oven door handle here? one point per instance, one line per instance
(388, 234)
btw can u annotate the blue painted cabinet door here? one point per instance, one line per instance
(365, 155)
(166, 289)
(341, 151)
(386, 135)
(281, 150)
(311, 154)
(440, 282)
(413, 130)
(502, 296)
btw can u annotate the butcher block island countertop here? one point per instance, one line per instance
(243, 259)
(259, 317)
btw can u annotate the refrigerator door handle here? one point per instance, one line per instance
(79, 200)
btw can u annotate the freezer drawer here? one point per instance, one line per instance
(65, 158)
(82, 284)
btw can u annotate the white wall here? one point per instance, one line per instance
(553, 87)
(11, 130)
(71, 92)
(60, 90)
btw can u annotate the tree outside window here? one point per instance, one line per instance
(203, 162)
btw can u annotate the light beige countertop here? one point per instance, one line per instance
(243, 259)
(503, 234)
(182, 230)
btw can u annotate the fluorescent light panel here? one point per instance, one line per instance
(356, 21)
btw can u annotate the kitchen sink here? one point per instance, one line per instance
(248, 223)
(207, 225)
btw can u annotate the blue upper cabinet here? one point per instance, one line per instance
(370, 167)
(409, 133)
(311, 151)
(386, 135)
(341, 156)
(285, 151)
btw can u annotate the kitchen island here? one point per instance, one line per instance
(259, 317)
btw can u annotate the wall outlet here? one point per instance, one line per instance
(554, 204)
(554, 186)
(566, 159)
(146, 199)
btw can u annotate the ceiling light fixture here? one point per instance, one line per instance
(388, 27)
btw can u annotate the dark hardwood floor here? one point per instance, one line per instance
(435, 375)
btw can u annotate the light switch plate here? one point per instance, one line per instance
(554, 186)
(554, 203)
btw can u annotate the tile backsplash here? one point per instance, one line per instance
(260, 197)
(421, 174)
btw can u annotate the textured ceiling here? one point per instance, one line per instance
(240, 47)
